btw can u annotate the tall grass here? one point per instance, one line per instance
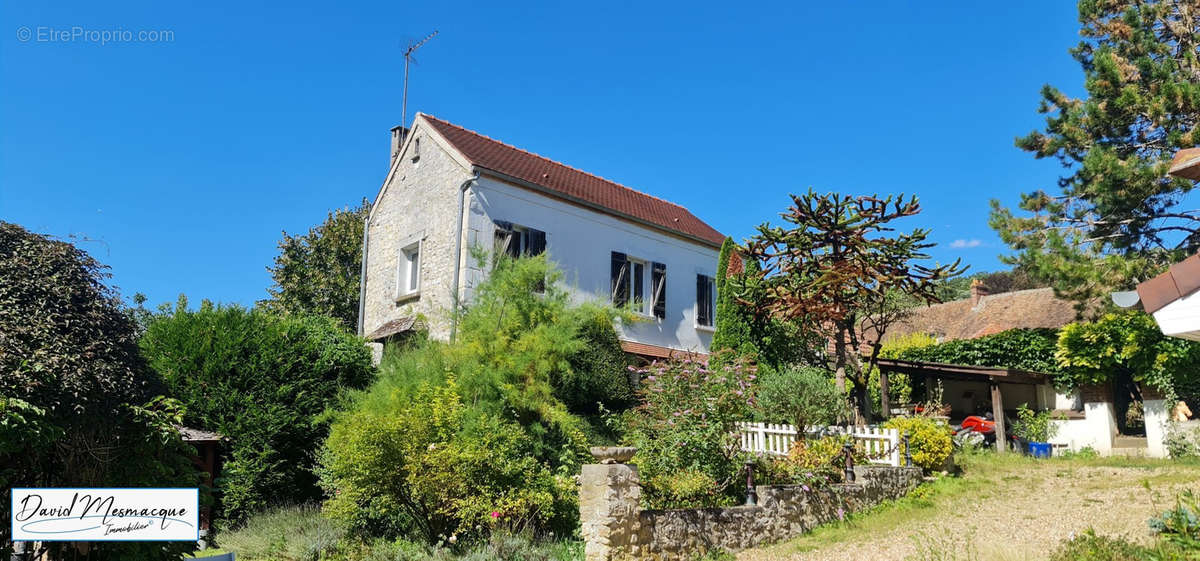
(293, 533)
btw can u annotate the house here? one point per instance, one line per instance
(1089, 415)
(449, 190)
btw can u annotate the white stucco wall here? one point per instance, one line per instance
(580, 241)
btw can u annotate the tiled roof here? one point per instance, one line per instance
(962, 319)
(574, 184)
(1186, 164)
(1181, 279)
(395, 326)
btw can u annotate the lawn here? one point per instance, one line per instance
(1001, 508)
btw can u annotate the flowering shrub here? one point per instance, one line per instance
(686, 423)
(929, 439)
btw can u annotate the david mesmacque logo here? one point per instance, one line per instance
(105, 514)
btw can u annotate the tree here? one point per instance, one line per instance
(1126, 346)
(78, 405)
(319, 272)
(1117, 217)
(839, 271)
(803, 396)
(743, 331)
(263, 380)
(734, 335)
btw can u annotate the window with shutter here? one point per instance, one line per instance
(705, 301)
(659, 281)
(620, 279)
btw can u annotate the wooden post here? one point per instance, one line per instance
(998, 414)
(884, 402)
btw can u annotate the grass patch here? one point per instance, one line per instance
(290, 533)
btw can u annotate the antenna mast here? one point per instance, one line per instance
(408, 57)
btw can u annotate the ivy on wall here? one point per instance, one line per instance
(1128, 343)
(1021, 349)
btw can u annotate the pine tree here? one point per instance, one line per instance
(1117, 217)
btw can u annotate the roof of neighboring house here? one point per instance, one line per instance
(573, 184)
(655, 351)
(394, 327)
(1181, 279)
(1186, 164)
(963, 319)
(199, 435)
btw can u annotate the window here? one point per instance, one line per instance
(515, 241)
(416, 149)
(644, 283)
(408, 273)
(706, 301)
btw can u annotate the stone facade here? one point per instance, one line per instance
(614, 528)
(418, 201)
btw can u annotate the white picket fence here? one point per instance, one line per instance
(881, 445)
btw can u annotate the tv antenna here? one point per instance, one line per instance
(408, 57)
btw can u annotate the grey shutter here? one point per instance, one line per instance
(658, 283)
(537, 242)
(620, 286)
(504, 237)
(703, 300)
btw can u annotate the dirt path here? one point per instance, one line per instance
(1017, 509)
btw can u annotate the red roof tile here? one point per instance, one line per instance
(574, 184)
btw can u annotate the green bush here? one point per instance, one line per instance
(1034, 427)
(289, 532)
(1180, 526)
(801, 395)
(598, 378)
(1091, 547)
(1183, 442)
(78, 406)
(427, 466)
(689, 488)
(929, 439)
(687, 422)
(461, 439)
(263, 380)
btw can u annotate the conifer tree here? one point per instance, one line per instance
(1115, 217)
(734, 336)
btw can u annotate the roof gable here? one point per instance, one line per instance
(572, 184)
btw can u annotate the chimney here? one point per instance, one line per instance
(978, 291)
(399, 133)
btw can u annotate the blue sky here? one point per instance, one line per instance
(180, 162)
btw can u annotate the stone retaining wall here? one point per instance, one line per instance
(615, 528)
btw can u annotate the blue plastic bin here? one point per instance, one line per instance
(1039, 449)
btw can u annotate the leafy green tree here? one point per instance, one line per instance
(1131, 345)
(78, 405)
(263, 380)
(838, 270)
(319, 272)
(803, 396)
(1117, 216)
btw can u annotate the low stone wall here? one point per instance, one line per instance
(615, 528)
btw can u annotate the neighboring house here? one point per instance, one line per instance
(449, 190)
(1090, 413)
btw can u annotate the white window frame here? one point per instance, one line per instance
(696, 305)
(408, 270)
